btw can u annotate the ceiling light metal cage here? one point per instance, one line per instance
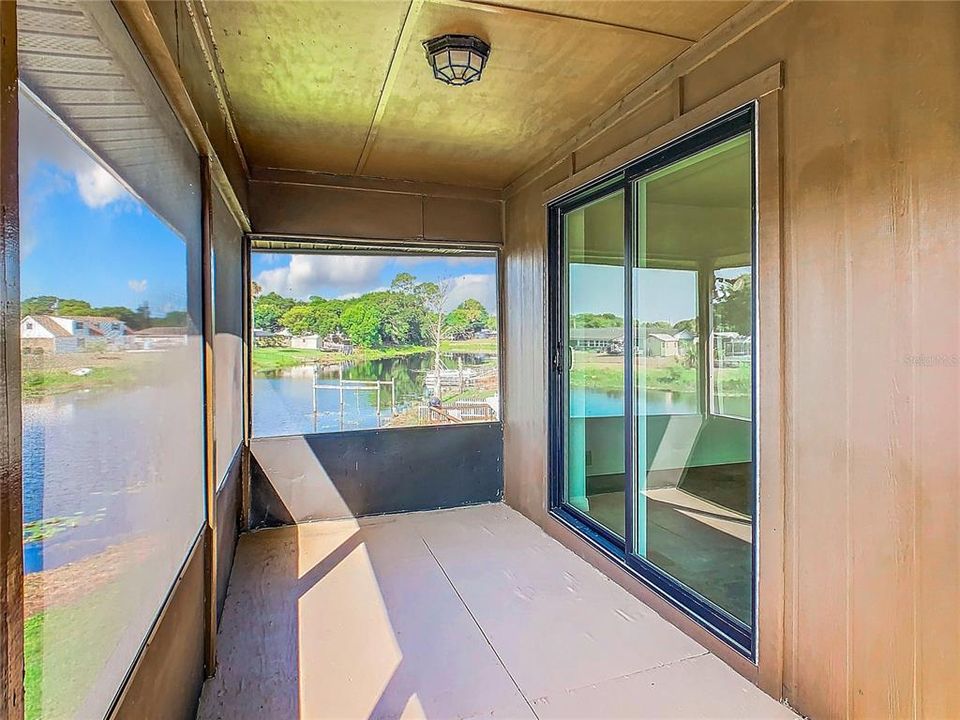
(457, 59)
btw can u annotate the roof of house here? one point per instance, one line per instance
(48, 324)
(604, 333)
(663, 337)
(91, 318)
(163, 331)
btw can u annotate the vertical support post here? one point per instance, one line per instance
(704, 336)
(210, 450)
(635, 365)
(393, 397)
(247, 300)
(340, 379)
(11, 461)
(378, 403)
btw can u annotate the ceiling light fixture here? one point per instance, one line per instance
(457, 59)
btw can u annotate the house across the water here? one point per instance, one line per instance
(56, 334)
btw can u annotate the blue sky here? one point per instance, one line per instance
(346, 276)
(83, 234)
(669, 295)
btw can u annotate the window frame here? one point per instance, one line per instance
(733, 632)
(308, 245)
(119, 40)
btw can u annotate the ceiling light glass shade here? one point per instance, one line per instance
(457, 59)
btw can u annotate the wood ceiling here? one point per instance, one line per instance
(343, 86)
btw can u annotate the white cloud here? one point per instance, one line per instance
(482, 287)
(43, 141)
(138, 286)
(323, 275)
(98, 187)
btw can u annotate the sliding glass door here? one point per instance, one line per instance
(652, 286)
(593, 354)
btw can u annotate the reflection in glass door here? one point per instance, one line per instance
(593, 353)
(652, 290)
(693, 328)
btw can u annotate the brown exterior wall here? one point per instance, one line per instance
(228, 529)
(871, 332)
(303, 204)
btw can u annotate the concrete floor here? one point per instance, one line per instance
(456, 614)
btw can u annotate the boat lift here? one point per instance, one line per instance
(356, 386)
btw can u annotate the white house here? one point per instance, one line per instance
(594, 338)
(662, 345)
(57, 334)
(42, 334)
(307, 342)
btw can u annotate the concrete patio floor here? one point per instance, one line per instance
(462, 613)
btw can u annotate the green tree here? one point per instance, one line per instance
(318, 316)
(689, 325)
(732, 304)
(325, 317)
(39, 305)
(468, 317)
(402, 316)
(298, 320)
(595, 320)
(404, 283)
(74, 307)
(174, 318)
(361, 322)
(267, 310)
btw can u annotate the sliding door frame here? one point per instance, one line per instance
(738, 635)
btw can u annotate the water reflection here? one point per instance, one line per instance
(283, 399)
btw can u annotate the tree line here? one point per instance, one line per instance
(138, 319)
(732, 303)
(408, 313)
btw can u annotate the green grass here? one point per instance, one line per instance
(478, 345)
(65, 648)
(267, 359)
(40, 383)
(675, 378)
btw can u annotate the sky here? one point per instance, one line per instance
(346, 276)
(84, 235)
(668, 295)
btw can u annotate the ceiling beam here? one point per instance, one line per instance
(404, 38)
(208, 45)
(503, 9)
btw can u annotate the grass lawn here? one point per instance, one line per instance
(277, 358)
(673, 378)
(40, 383)
(477, 345)
(266, 359)
(65, 648)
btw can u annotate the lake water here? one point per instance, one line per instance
(601, 403)
(109, 467)
(283, 405)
